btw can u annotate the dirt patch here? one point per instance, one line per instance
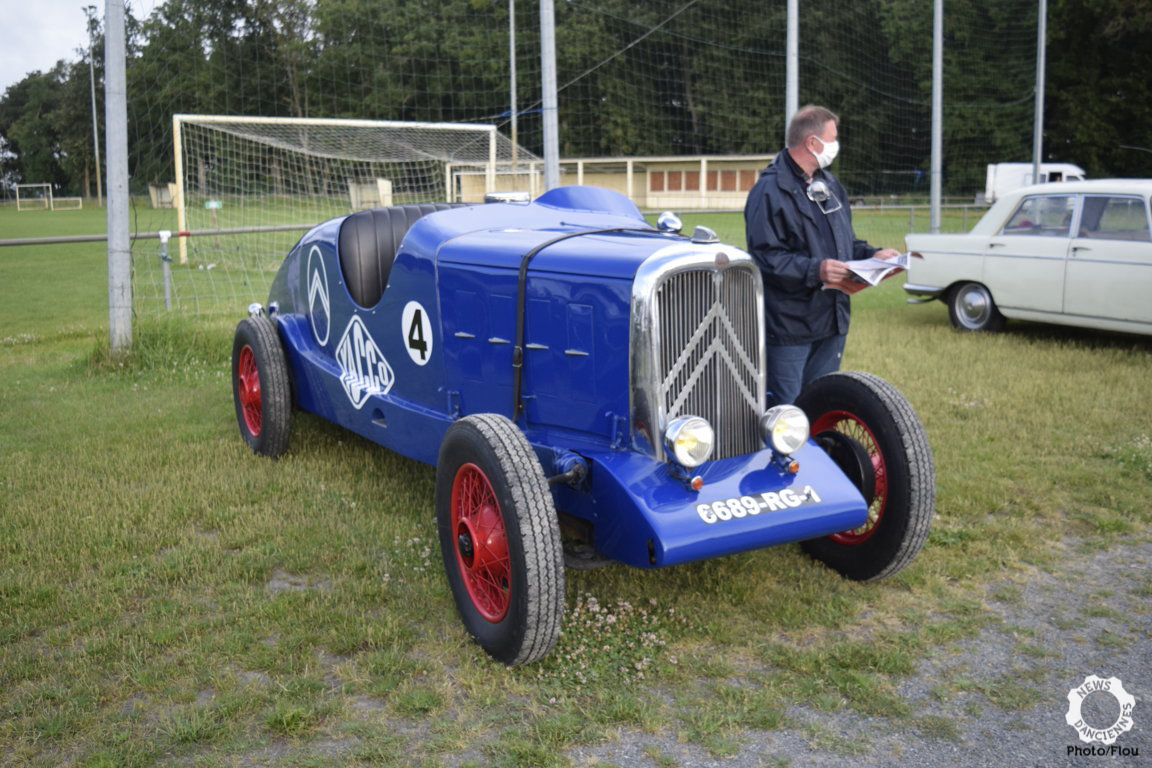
(998, 699)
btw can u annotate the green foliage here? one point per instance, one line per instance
(30, 126)
(1098, 102)
(653, 78)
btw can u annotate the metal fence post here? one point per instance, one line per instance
(166, 259)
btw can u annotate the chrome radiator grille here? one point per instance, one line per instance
(707, 352)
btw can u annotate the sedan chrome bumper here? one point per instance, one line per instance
(918, 294)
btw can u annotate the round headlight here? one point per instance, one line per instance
(690, 440)
(785, 428)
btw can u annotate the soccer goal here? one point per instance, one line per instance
(33, 197)
(249, 172)
(67, 203)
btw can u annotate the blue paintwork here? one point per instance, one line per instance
(462, 265)
(645, 517)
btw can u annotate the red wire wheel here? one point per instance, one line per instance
(248, 390)
(261, 389)
(848, 424)
(873, 435)
(500, 538)
(481, 542)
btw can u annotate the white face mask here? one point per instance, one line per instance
(828, 154)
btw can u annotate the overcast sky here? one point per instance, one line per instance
(35, 34)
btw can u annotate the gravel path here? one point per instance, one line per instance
(1005, 692)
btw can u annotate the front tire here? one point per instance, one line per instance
(874, 435)
(261, 388)
(971, 308)
(500, 539)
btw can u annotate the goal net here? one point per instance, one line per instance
(33, 197)
(255, 184)
(67, 203)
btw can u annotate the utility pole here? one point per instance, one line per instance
(116, 122)
(90, 11)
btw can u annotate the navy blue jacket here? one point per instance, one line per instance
(789, 235)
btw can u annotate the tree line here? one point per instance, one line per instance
(665, 77)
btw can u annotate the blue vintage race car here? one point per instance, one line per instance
(589, 387)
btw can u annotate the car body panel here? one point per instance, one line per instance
(1065, 269)
(647, 517)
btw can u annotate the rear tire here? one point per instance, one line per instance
(873, 433)
(500, 539)
(261, 388)
(971, 308)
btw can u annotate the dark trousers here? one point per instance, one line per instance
(791, 367)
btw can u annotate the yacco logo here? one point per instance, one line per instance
(319, 311)
(363, 369)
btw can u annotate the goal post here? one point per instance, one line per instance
(239, 171)
(67, 203)
(34, 197)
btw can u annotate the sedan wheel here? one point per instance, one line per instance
(971, 308)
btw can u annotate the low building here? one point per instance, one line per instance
(701, 182)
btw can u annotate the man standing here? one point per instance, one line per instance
(799, 230)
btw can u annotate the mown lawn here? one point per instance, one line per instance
(166, 597)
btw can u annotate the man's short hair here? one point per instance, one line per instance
(809, 121)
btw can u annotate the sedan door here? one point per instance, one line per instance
(1110, 262)
(1024, 261)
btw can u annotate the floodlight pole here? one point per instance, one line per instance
(936, 163)
(90, 11)
(1038, 120)
(116, 136)
(512, 77)
(792, 66)
(548, 94)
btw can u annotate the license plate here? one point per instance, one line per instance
(746, 506)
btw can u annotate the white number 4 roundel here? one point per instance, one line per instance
(417, 330)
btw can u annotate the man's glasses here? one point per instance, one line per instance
(819, 193)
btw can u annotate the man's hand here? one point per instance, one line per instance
(833, 271)
(836, 276)
(846, 286)
(887, 253)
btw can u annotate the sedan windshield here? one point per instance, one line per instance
(1042, 215)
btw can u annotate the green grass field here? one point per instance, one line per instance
(167, 597)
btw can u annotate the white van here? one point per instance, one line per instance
(1005, 177)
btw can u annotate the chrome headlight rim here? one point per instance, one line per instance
(690, 440)
(785, 429)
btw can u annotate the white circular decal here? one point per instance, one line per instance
(416, 327)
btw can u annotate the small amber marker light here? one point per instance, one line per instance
(794, 467)
(698, 482)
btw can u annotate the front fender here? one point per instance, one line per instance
(645, 517)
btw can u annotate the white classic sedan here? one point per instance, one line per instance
(1075, 253)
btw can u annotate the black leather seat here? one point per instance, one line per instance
(368, 244)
